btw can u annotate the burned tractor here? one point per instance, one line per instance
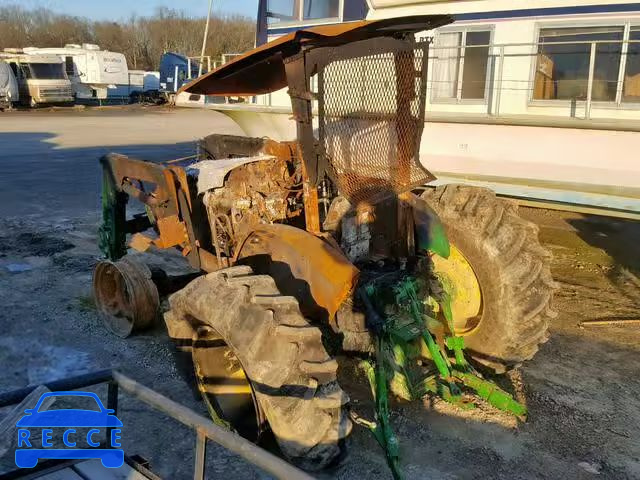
(332, 236)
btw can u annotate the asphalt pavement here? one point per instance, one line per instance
(49, 159)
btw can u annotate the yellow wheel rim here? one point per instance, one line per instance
(459, 279)
(224, 385)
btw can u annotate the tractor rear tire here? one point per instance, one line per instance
(293, 379)
(512, 270)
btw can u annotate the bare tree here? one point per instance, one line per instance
(142, 39)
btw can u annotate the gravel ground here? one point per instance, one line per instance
(581, 389)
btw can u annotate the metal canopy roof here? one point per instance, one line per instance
(261, 70)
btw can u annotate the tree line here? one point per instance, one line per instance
(141, 39)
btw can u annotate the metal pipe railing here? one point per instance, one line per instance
(533, 44)
(592, 66)
(204, 427)
(499, 80)
(497, 85)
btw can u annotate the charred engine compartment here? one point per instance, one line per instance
(261, 192)
(261, 182)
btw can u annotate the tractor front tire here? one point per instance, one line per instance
(512, 271)
(292, 377)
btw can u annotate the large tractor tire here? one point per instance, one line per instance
(498, 273)
(288, 375)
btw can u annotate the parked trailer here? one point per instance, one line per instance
(41, 78)
(140, 82)
(93, 72)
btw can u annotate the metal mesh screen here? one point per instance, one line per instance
(371, 114)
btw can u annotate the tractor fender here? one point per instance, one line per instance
(303, 265)
(430, 233)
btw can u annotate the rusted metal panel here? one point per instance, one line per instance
(180, 176)
(172, 232)
(125, 171)
(311, 208)
(303, 265)
(140, 242)
(210, 263)
(262, 70)
(169, 203)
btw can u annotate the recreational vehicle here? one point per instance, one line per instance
(92, 71)
(41, 78)
(537, 101)
(8, 86)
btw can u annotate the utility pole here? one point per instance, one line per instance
(204, 39)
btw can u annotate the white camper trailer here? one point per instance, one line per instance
(92, 71)
(41, 78)
(8, 86)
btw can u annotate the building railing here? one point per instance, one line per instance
(508, 85)
(507, 75)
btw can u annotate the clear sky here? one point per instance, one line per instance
(117, 9)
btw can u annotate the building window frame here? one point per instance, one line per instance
(299, 20)
(618, 102)
(458, 100)
(634, 23)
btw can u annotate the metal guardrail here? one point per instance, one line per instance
(204, 427)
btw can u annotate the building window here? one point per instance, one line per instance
(631, 87)
(282, 11)
(563, 63)
(317, 9)
(461, 65)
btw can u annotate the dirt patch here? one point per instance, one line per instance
(76, 263)
(26, 244)
(581, 389)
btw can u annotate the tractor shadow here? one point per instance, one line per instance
(37, 178)
(618, 239)
(570, 392)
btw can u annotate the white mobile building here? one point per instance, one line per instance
(92, 71)
(537, 100)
